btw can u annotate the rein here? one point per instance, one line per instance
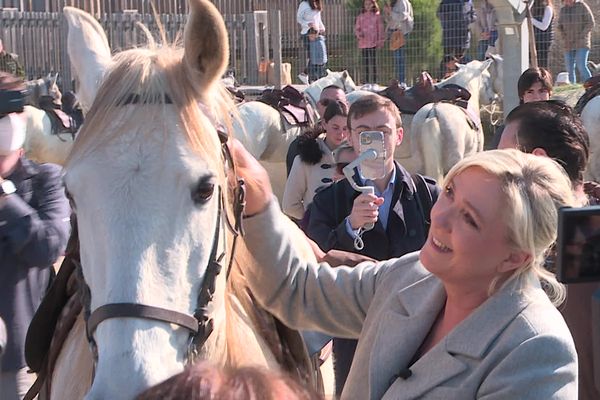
(200, 324)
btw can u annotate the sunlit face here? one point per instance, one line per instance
(369, 5)
(336, 131)
(332, 94)
(537, 92)
(467, 243)
(380, 120)
(510, 138)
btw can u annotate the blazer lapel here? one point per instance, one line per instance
(471, 339)
(401, 329)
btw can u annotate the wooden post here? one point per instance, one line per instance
(532, 49)
(275, 33)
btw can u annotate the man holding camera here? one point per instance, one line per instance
(399, 207)
(34, 228)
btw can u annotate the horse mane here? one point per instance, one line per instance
(156, 76)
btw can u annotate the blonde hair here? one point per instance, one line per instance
(535, 188)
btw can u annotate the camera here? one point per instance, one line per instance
(578, 244)
(11, 101)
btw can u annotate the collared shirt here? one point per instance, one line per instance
(384, 209)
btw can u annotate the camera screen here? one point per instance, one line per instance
(578, 258)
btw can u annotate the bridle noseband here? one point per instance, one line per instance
(200, 325)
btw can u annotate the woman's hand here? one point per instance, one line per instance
(258, 185)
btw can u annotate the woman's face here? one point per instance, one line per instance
(467, 244)
(368, 5)
(537, 92)
(336, 131)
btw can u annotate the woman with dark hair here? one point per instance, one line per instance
(368, 30)
(535, 84)
(312, 32)
(542, 14)
(314, 166)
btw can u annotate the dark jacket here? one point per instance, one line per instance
(405, 228)
(34, 227)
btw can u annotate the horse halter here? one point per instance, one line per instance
(199, 324)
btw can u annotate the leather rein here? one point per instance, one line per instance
(200, 324)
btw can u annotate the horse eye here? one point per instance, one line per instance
(203, 192)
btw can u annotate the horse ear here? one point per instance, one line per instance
(206, 44)
(345, 74)
(89, 53)
(486, 64)
(53, 79)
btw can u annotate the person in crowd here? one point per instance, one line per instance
(204, 381)
(575, 24)
(368, 29)
(455, 17)
(35, 226)
(331, 93)
(343, 156)
(553, 130)
(338, 212)
(535, 84)
(313, 166)
(487, 21)
(399, 17)
(542, 15)
(309, 18)
(9, 62)
(464, 318)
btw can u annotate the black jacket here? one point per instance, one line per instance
(406, 231)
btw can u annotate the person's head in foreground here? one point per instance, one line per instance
(204, 381)
(494, 222)
(551, 129)
(535, 84)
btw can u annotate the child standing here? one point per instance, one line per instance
(369, 32)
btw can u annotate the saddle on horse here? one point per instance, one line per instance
(592, 89)
(291, 104)
(61, 122)
(410, 100)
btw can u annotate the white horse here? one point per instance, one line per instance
(590, 116)
(41, 144)
(148, 183)
(441, 134)
(267, 136)
(483, 87)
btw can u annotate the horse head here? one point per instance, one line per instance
(147, 181)
(475, 77)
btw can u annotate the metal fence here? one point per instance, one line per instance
(39, 38)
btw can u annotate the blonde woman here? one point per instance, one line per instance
(466, 318)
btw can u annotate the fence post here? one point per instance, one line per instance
(275, 34)
(258, 43)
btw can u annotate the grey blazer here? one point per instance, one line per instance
(516, 345)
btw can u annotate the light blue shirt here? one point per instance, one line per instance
(384, 209)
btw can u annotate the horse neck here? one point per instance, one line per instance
(472, 85)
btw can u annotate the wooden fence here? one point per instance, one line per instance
(39, 38)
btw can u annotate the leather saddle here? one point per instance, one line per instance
(291, 104)
(410, 100)
(61, 122)
(592, 89)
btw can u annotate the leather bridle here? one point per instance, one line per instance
(200, 324)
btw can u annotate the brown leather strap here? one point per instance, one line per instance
(132, 310)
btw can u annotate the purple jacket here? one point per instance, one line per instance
(34, 228)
